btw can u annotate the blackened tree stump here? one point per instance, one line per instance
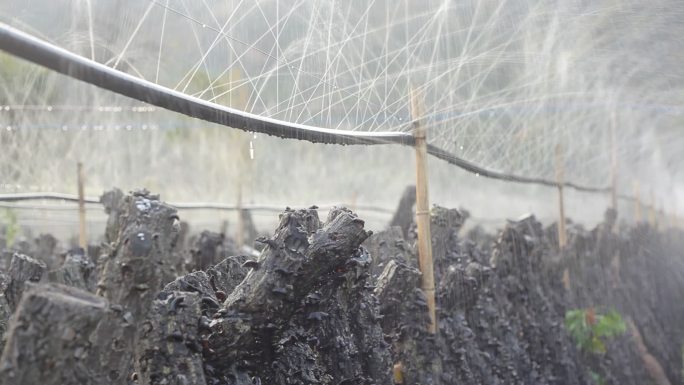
(131, 278)
(403, 216)
(167, 349)
(300, 255)
(22, 269)
(76, 271)
(49, 337)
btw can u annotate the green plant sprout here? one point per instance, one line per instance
(9, 219)
(591, 331)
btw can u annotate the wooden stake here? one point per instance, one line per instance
(614, 163)
(651, 211)
(560, 176)
(423, 211)
(240, 236)
(637, 202)
(354, 198)
(82, 239)
(398, 373)
(673, 220)
(244, 162)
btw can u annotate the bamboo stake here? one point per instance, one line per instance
(614, 163)
(240, 102)
(651, 211)
(82, 239)
(673, 219)
(240, 237)
(560, 175)
(354, 198)
(398, 373)
(637, 202)
(423, 211)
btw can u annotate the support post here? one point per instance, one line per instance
(637, 202)
(423, 212)
(651, 211)
(82, 239)
(673, 219)
(240, 236)
(614, 164)
(560, 176)
(239, 98)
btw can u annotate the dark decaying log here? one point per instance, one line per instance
(45, 245)
(297, 258)
(404, 315)
(197, 282)
(49, 337)
(653, 367)
(445, 225)
(113, 202)
(132, 272)
(339, 321)
(132, 276)
(395, 285)
(226, 275)
(403, 216)
(386, 246)
(249, 231)
(5, 311)
(22, 269)
(76, 271)
(168, 350)
(207, 249)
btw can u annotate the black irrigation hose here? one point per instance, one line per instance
(30, 48)
(49, 196)
(477, 170)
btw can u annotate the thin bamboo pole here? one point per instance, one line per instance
(240, 236)
(560, 176)
(239, 100)
(614, 163)
(637, 202)
(398, 373)
(82, 238)
(423, 211)
(651, 211)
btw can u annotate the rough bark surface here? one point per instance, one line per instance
(388, 245)
(303, 303)
(45, 245)
(403, 216)
(5, 311)
(131, 278)
(114, 205)
(167, 349)
(250, 232)
(49, 337)
(226, 275)
(22, 269)
(76, 271)
(207, 250)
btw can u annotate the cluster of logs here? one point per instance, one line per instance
(303, 312)
(324, 302)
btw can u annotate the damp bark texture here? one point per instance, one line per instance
(76, 271)
(22, 269)
(131, 278)
(403, 216)
(49, 337)
(168, 350)
(304, 314)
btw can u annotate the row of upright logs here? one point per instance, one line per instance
(124, 321)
